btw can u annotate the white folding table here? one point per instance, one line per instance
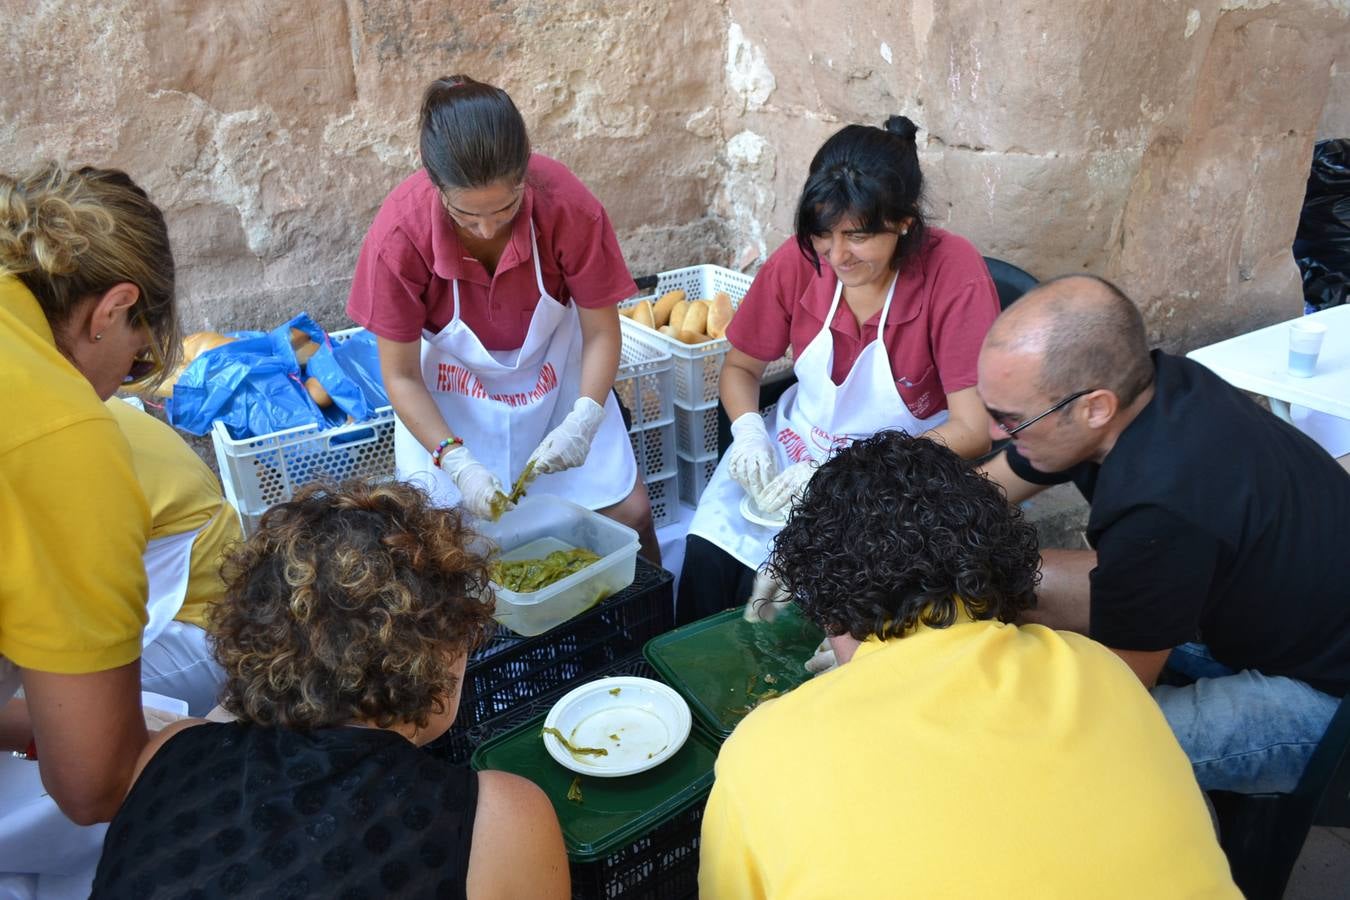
(1257, 361)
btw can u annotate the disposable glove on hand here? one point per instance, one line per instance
(788, 486)
(566, 446)
(474, 481)
(824, 659)
(767, 597)
(750, 458)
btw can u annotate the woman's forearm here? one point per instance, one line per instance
(739, 384)
(960, 438)
(600, 343)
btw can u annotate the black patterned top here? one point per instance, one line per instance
(242, 811)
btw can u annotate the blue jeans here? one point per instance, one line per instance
(1243, 731)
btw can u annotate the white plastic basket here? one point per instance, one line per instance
(696, 431)
(664, 496)
(699, 366)
(258, 472)
(694, 476)
(645, 380)
(654, 449)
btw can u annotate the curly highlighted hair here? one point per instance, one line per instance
(350, 603)
(892, 530)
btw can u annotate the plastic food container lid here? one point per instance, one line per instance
(724, 665)
(612, 812)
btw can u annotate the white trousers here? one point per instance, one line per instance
(44, 855)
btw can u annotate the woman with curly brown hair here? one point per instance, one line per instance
(952, 753)
(344, 633)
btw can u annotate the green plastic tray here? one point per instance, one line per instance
(719, 664)
(613, 812)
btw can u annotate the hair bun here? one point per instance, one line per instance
(902, 127)
(41, 228)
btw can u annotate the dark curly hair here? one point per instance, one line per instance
(350, 603)
(892, 530)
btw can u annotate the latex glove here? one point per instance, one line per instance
(824, 660)
(788, 486)
(767, 597)
(474, 481)
(566, 446)
(750, 458)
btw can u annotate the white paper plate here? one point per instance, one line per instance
(752, 513)
(640, 723)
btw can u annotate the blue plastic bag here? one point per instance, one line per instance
(255, 386)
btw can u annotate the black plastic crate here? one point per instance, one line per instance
(660, 865)
(513, 670)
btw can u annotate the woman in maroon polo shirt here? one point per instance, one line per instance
(490, 279)
(862, 256)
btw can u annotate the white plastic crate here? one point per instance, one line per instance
(654, 449)
(696, 431)
(645, 380)
(694, 476)
(663, 494)
(699, 366)
(258, 472)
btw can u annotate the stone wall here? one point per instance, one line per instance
(1162, 143)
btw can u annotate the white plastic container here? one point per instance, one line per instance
(699, 366)
(537, 527)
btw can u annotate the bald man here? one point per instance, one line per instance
(1217, 529)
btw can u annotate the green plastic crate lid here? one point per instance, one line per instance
(613, 812)
(724, 665)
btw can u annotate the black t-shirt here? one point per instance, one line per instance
(242, 811)
(1215, 521)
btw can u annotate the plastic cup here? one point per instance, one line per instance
(1305, 342)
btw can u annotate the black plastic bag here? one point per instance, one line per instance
(1322, 245)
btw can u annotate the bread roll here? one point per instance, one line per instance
(692, 337)
(305, 351)
(677, 314)
(627, 311)
(194, 345)
(719, 315)
(317, 393)
(642, 313)
(696, 319)
(661, 312)
(298, 338)
(667, 330)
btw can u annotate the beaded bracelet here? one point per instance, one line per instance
(442, 447)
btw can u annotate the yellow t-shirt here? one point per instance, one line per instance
(980, 760)
(73, 522)
(184, 495)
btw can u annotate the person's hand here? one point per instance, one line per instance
(824, 659)
(788, 486)
(767, 597)
(750, 458)
(477, 485)
(566, 446)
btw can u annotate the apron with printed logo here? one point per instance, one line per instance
(502, 403)
(813, 417)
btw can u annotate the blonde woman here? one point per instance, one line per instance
(86, 304)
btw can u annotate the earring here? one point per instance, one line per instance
(904, 231)
(99, 336)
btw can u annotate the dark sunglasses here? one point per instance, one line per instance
(148, 361)
(1003, 421)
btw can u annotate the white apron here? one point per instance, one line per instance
(813, 417)
(168, 562)
(502, 403)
